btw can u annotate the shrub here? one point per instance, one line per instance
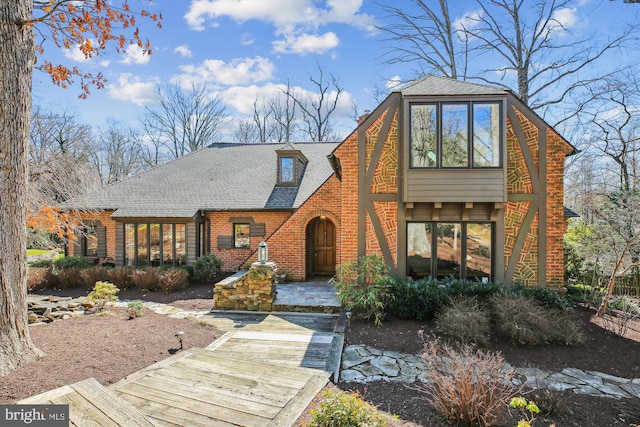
(465, 320)
(134, 308)
(365, 285)
(92, 275)
(42, 263)
(584, 294)
(103, 293)
(67, 278)
(174, 279)
(121, 277)
(546, 297)
(207, 268)
(147, 279)
(470, 387)
(419, 300)
(68, 262)
(38, 278)
(550, 402)
(188, 269)
(340, 409)
(458, 287)
(524, 321)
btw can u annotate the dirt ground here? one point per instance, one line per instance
(110, 347)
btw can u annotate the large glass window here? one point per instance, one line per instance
(241, 236)
(287, 170)
(455, 135)
(155, 244)
(436, 249)
(90, 242)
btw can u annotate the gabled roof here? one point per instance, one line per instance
(431, 85)
(223, 176)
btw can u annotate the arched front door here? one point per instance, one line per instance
(321, 247)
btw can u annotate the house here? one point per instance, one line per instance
(444, 178)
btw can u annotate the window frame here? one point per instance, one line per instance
(470, 133)
(433, 267)
(90, 230)
(134, 229)
(235, 235)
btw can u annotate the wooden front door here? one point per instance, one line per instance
(324, 247)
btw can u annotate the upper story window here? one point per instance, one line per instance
(455, 135)
(287, 170)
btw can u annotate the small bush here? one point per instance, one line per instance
(625, 305)
(546, 297)
(103, 293)
(67, 278)
(188, 269)
(340, 409)
(550, 402)
(365, 285)
(207, 268)
(134, 308)
(470, 387)
(524, 321)
(68, 262)
(147, 279)
(92, 275)
(38, 278)
(465, 320)
(42, 263)
(174, 279)
(482, 291)
(121, 277)
(419, 300)
(584, 294)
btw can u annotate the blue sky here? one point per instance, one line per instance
(244, 49)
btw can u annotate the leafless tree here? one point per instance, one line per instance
(185, 120)
(118, 153)
(524, 47)
(283, 109)
(245, 131)
(317, 108)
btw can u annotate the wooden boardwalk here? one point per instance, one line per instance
(263, 372)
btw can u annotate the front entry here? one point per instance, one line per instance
(321, 247)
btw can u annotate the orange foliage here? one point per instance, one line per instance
(91, 25)
(53, 221)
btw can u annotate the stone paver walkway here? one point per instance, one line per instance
(364, 364)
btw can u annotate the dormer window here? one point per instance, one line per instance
(291, 165)
(455, 135)
(287, 170)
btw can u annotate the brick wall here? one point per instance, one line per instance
(287, 246)
(105, 220)
(233, 259)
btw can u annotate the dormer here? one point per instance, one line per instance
(291, 166)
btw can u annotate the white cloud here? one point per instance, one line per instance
(75, 54)
(134, 55)
(132, 89)
(280, 12)
(563, 20)
(246, 39)
(306, 43)
(237, 72)
(183, 51)
(393, 82)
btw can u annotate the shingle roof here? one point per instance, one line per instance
(434, 85)
(219, 177)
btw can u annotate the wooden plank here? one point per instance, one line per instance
(121, 412)
(275, 336)
(47, 396)
(237, 402)
(193, 410)
(166, 417)
(299, 403)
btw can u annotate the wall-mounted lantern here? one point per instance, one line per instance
(263, 253)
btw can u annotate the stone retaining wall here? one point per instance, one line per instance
(254, 290)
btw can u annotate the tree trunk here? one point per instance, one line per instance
(17, 57)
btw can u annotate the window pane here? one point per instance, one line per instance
(448, 244)
(286, 169)
(181, 244)
(419, 249)
(455, 125)
(142, 246)
(154, 244)
(167, 244)
(423, 136)
(91, 242)
(478, 255)
(486, 135)
(129, 244)
(241, 234)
